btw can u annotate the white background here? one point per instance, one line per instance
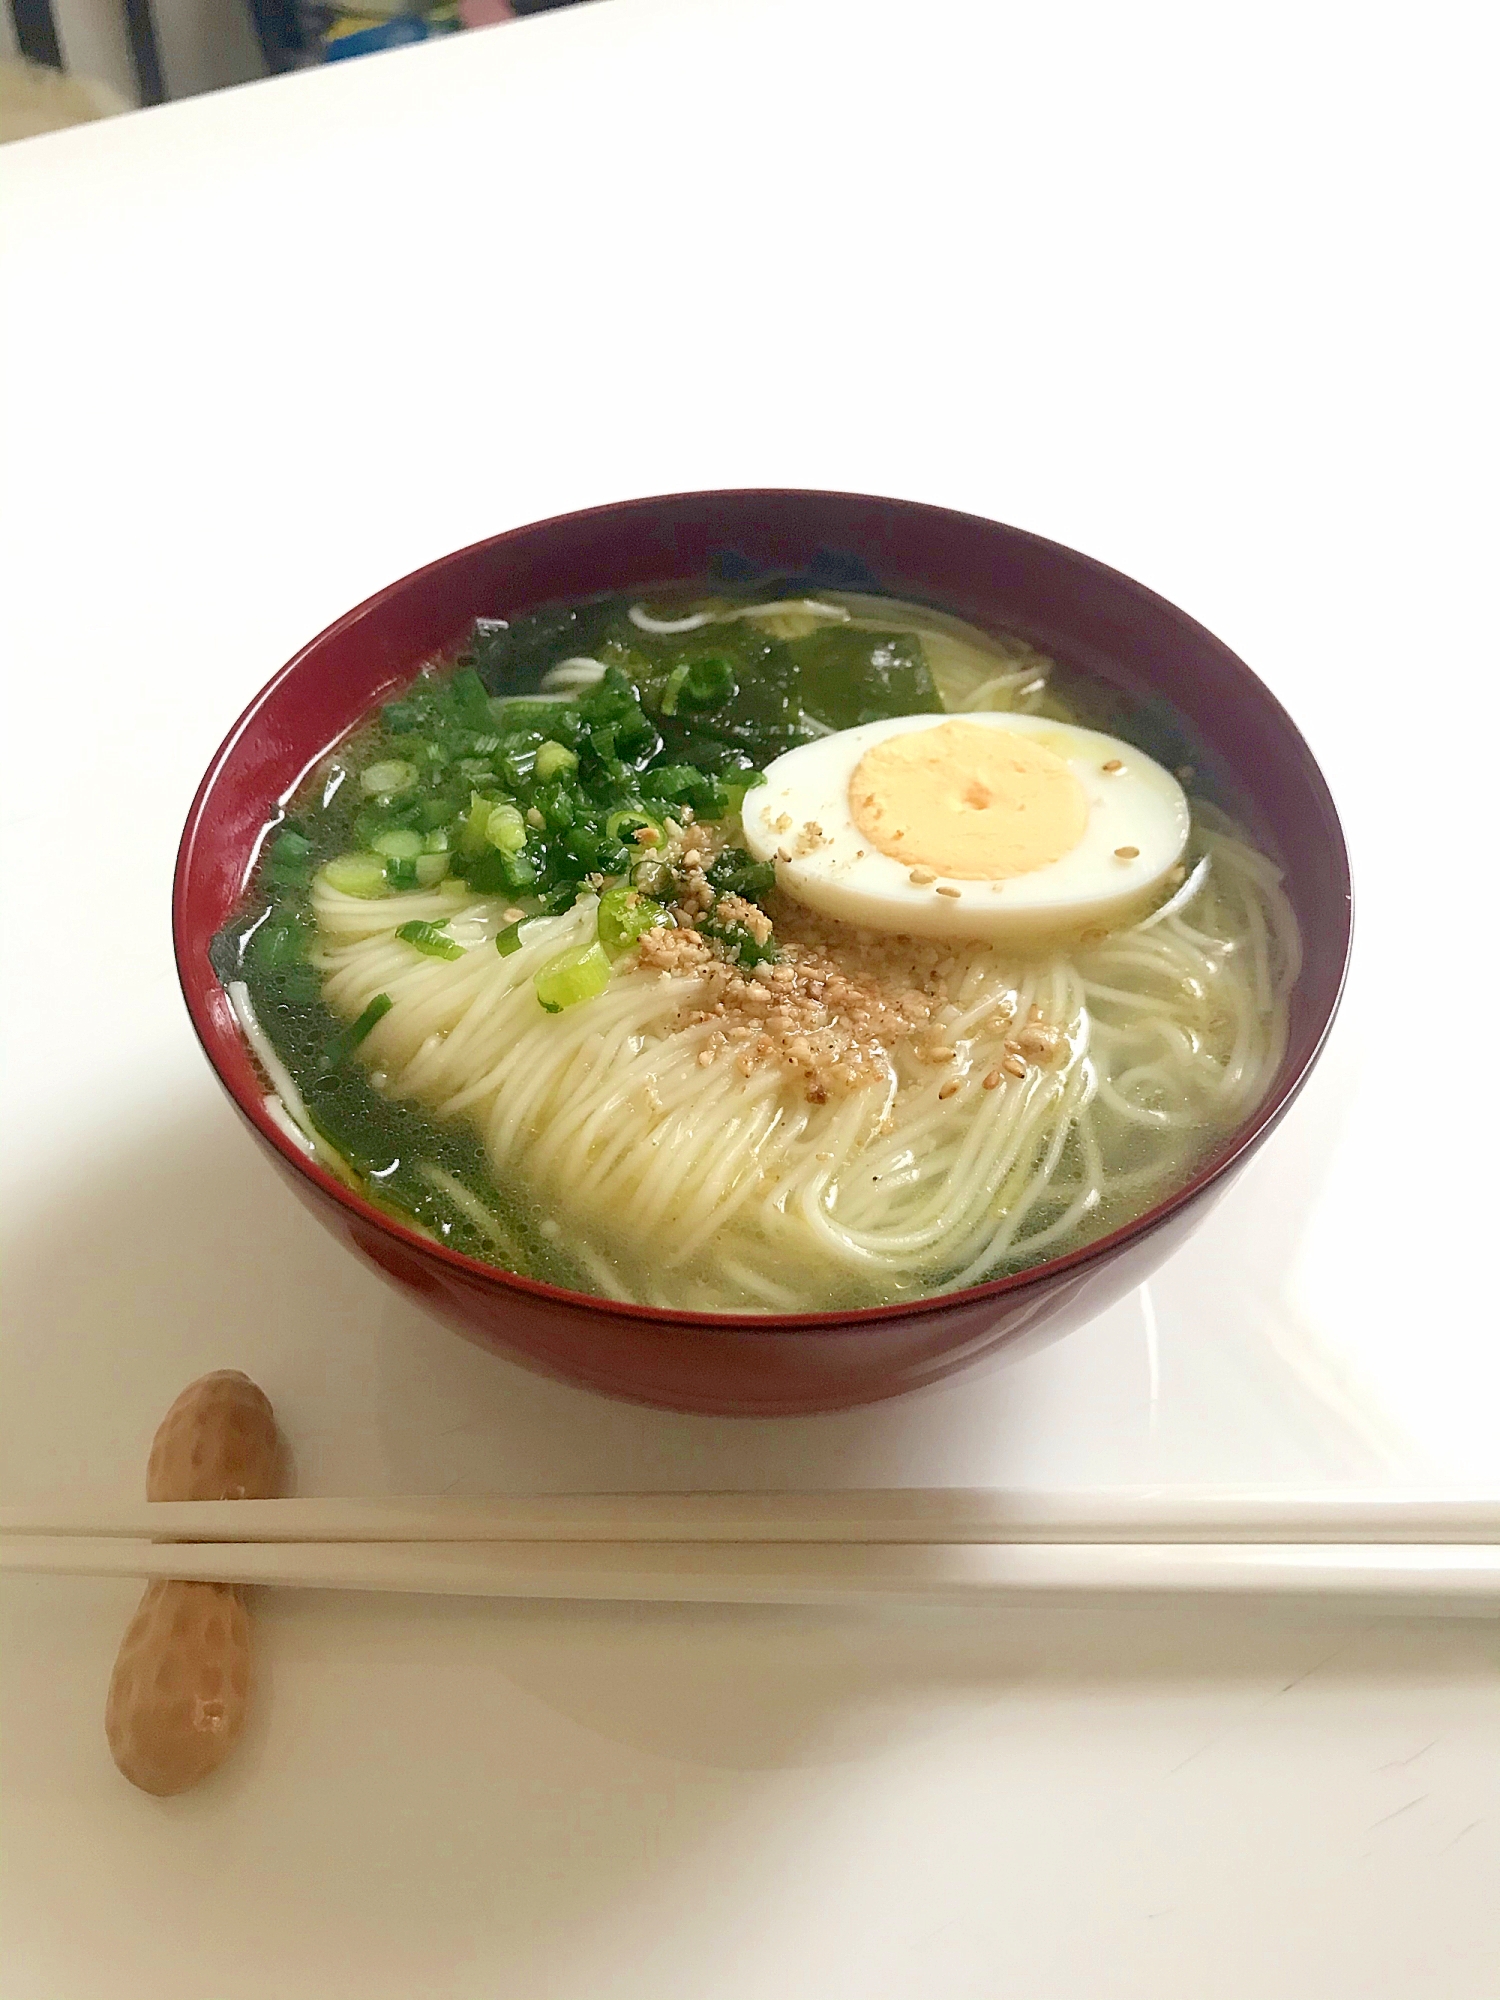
(1199, 291)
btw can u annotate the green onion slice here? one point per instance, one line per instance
(581, 973)
(357, 875)
(625, 915)
(343, 1044)
(430, 939)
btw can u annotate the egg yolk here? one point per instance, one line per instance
(974, 803)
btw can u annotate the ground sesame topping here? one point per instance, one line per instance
(837, 1008)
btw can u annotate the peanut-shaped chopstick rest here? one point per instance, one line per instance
(180, 1690)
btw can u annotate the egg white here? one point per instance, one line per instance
(839, 872)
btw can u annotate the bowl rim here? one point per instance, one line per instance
(1220, 1165)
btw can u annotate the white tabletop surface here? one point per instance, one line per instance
(1200, 291)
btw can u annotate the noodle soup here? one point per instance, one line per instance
(794, 954)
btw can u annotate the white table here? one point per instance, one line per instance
(1198, 291)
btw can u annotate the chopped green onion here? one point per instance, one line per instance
(554, 757)
(385, 779)
(470, 697)
(505, 829)
(625, 915)
(513, 712)
(577, 974)
(673, 688)
(509, 940)
(279, 942)
(289, 861)
(475, 820)
(430, 939)
(431, 869)
(401, 872)
(708, 684)
(399, 842)
(622, 824)
(348, 1039)
(356, 875)
(436, 842)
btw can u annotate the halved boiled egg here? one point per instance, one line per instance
(980, 825)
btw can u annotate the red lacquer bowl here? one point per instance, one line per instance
(1088, 617)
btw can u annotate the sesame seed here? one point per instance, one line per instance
(514, 916)
(534, 817)
(1014, 1065)
(1114, 764)
(705, 1058)
(946, 889)
(1126, 853)
(692, 859)
(992, 1081)
(647, 836)
(949, 1087)
(1035, 1014)
(920, 877)
(823, 1156)
(782, 855)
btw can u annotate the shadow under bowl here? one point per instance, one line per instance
(1089, 618)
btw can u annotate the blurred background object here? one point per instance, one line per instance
(35, 97)
(64, 62)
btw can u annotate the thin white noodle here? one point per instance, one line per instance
(1181, 899)
(781, 606)
(646, 623)
(579, 671)
(279, 1116)
(276, 1071)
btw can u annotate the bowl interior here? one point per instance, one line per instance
(1088, 617)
